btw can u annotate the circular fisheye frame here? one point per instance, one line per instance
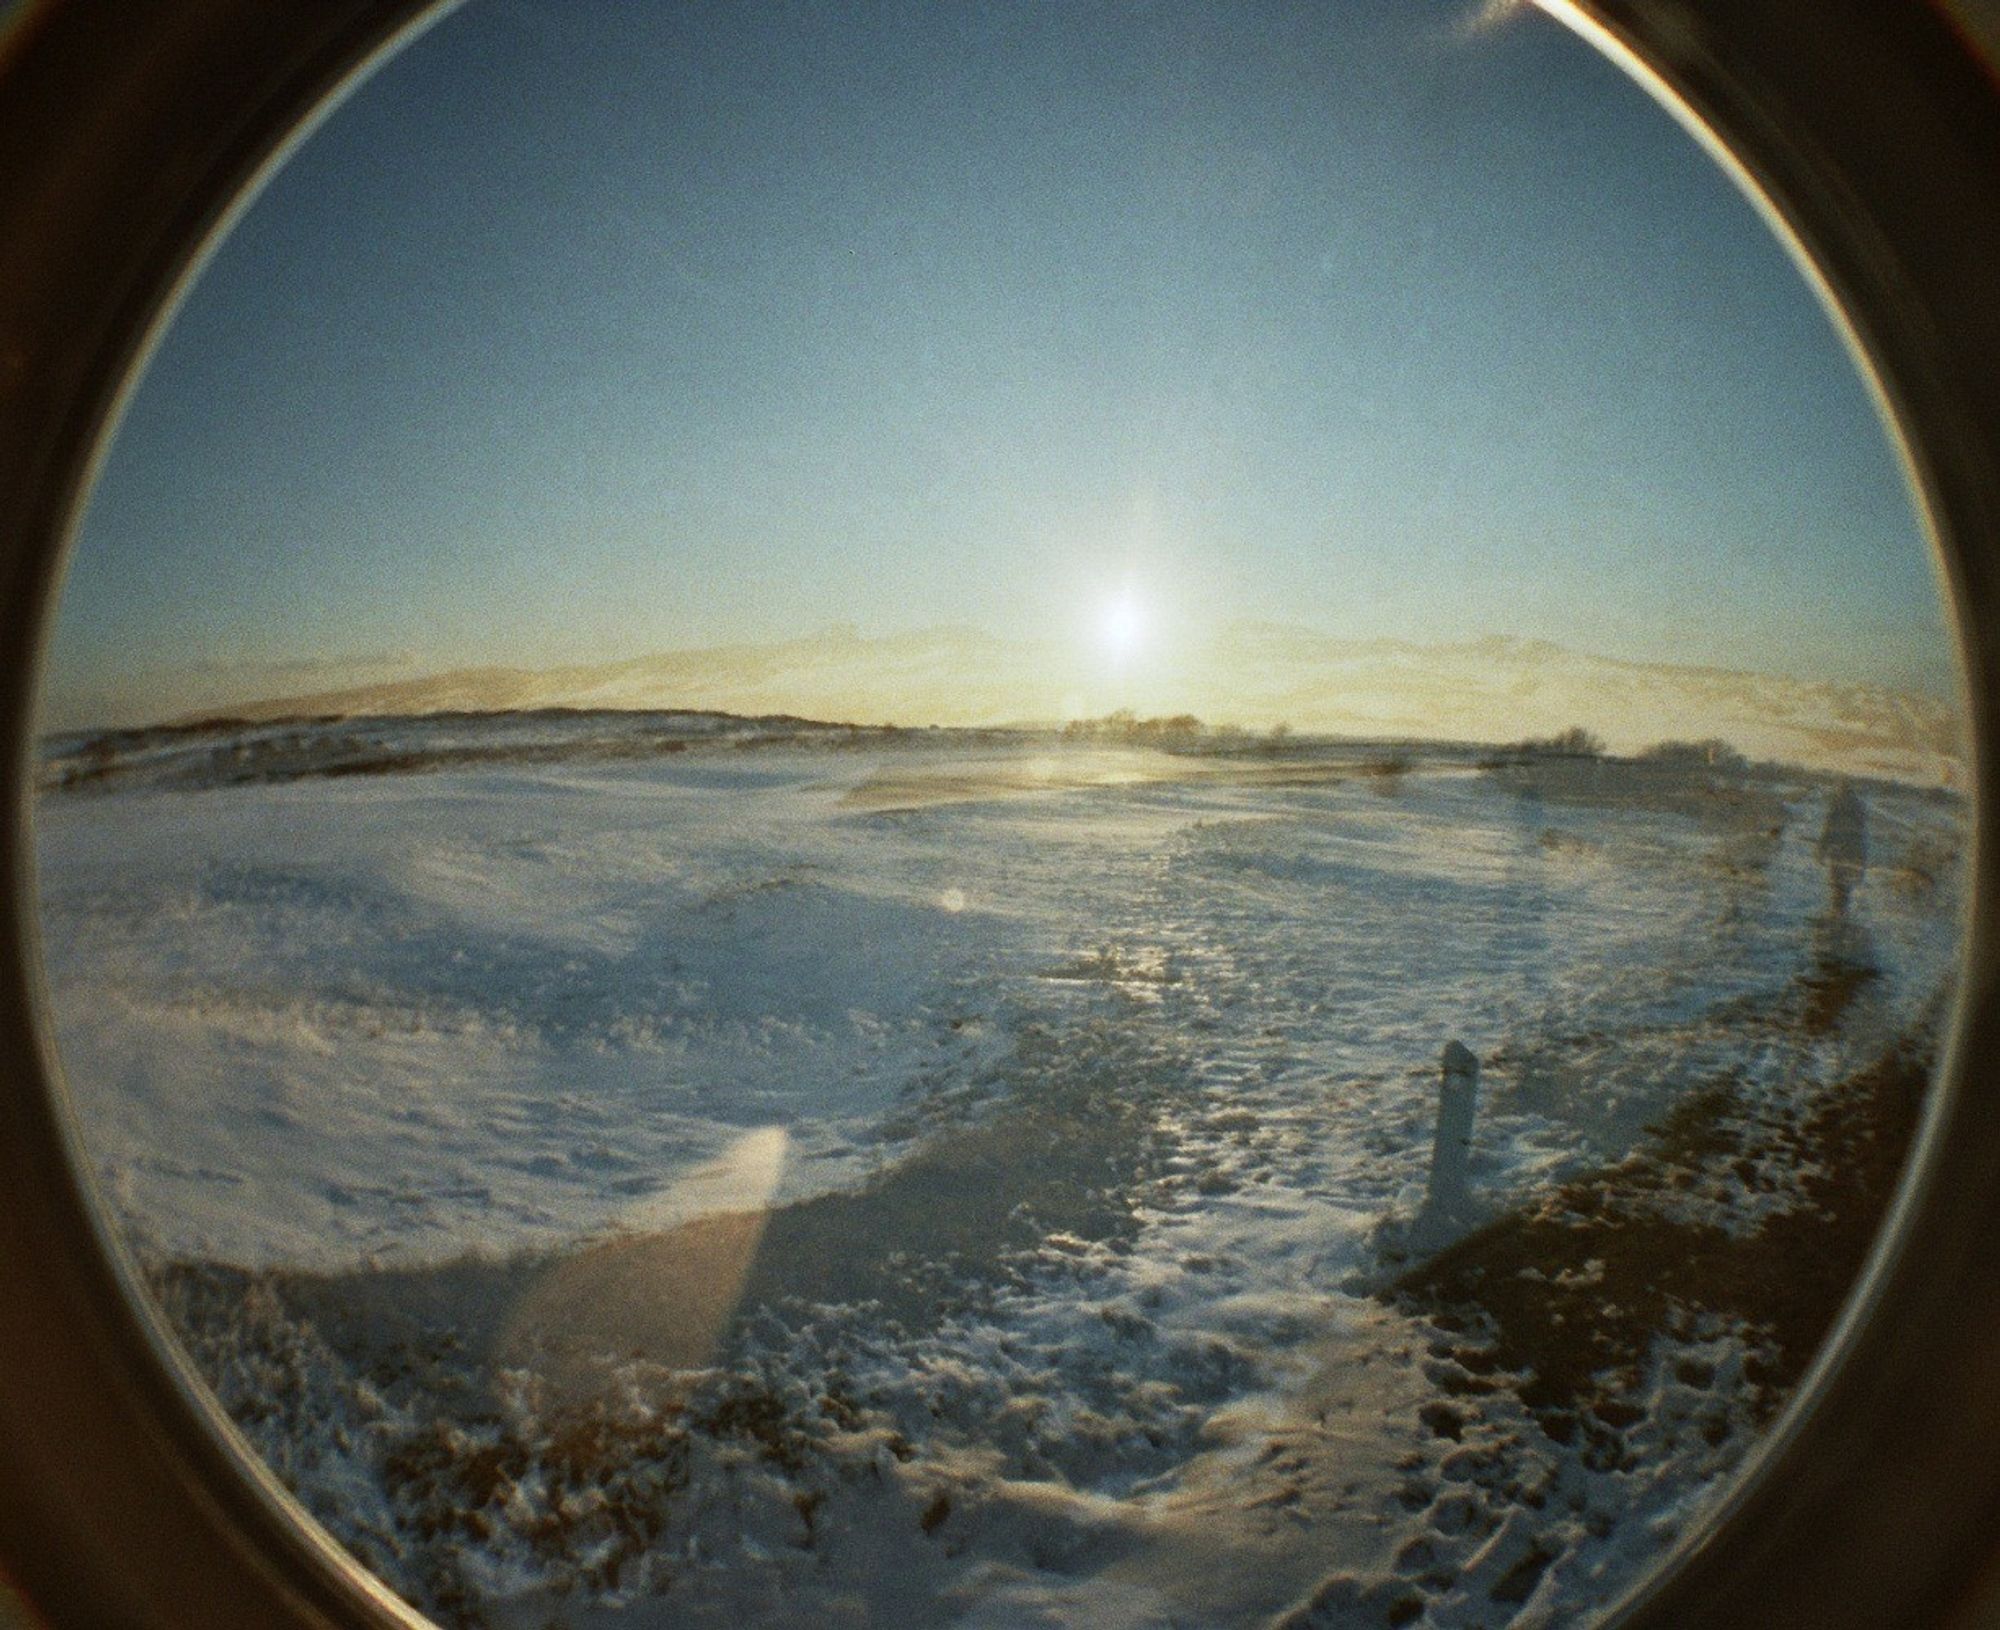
(922, 816)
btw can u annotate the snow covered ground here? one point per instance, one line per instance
(762, 1175)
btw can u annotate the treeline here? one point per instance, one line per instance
(1125, 725)
(1711, 753)
(1575, 742)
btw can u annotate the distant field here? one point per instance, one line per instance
(713, 1171)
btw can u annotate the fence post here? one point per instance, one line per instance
(1448, 1197)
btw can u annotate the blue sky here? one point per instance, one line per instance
(586, 328)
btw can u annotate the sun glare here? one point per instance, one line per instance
(1123, 626)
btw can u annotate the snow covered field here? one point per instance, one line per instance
(703, 1173)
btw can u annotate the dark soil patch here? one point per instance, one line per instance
(1829, 990)
(1572, 1291)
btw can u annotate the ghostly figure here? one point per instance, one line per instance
(1843, 844)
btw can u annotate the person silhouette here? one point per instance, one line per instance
(1843, 844)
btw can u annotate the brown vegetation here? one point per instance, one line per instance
(1572, 1292)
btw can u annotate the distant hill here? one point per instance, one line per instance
(1251, 674)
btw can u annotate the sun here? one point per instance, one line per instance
(1123, 625)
